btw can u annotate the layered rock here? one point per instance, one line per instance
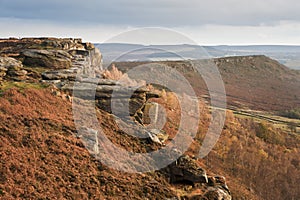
(50, 59)
(53, 53)
(185, 170)
(11, 68)
(111, 96)
(65, 62)
(14, 46)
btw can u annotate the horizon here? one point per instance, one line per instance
(208, 45)
(149, 44)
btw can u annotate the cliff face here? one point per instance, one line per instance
(52, 53)
(59, 61)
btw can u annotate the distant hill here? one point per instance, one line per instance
(255, 82)
(287, 55)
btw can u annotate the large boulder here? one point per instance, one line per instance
(51, 59)
(10, 63)
(217, 193)
(185, 169)
(12, 69)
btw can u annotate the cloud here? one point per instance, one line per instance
(154, 13)
(206, 22)
(285, 32)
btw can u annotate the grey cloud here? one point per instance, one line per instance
(155, 12)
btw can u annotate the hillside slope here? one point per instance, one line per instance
(255, 82)
(43, 155)
(260, 83)
(42, 159)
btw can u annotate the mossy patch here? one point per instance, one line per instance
(21, 86)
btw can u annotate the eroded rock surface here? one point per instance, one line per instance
(185, 169)
(66, 62)
(12, 69)
(50, 59)
(53, 53)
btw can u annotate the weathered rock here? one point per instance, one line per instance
(154, 138)
(12, 69)
(100, 81)
(185, 169)
(51, 59)
(3, 69)
(2, 73)
(146, 114)
(158, 136)
(119, 104)
(66, 74)
(10, 63)
(216, 193)
(89, 46)
(53, 53)
(108, 94)
(17, 72)
(14, 46)
(89, 60)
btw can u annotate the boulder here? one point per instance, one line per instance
(2, 73)
(12, 69)
(218, 181)
(17, 72)
(185, 169)
(216, 193)
(158, 136)
(9, 63)
(51, 59)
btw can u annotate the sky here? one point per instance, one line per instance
(210, 22)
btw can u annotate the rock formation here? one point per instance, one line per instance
(185, 170)
(12, 69)
(53, 53)
(60, 61)
(51, 59)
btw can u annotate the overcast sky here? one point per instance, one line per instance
(206, 22)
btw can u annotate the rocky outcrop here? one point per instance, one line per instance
(50, 59)
(59, 61)
(53, 53)
(107, 92)
(217, 194)
(14, 46)
(185, 169)
(11, 68)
